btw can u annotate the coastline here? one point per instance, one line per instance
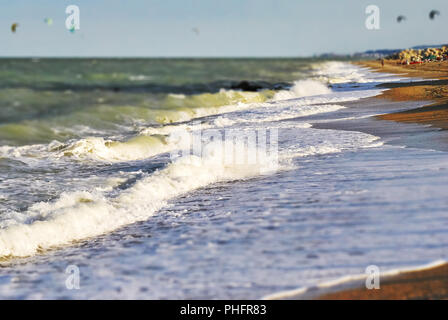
(421, 284)
(428, 281)
(414, 114)
(436, 90)
(400, 133)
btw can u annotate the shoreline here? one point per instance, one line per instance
(429, 70)
(419, 284)
(435, 90)
(394, 132)
(416, 115)
(397, 284)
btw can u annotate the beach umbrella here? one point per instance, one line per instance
(48, 21)
(433, 14)
(14, 27)
(401, 18)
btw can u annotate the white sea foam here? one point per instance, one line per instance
(303, 88)
(325, 141)
(306, 97)
(80, 215)
(157, 140)
(139, 147)
(336, 72)
(269, 113)
(140, 77)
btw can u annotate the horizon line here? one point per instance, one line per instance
(163, 57)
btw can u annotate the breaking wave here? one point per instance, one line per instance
(86, 213)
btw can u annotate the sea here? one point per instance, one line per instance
(203, 179)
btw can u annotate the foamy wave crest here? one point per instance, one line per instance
(293, 111)
(336, 141)
(80, 215)
(150, 142)
(156, 140)
(139, 147)
(83, 214)
(207, 104)
(336, 72)
(302, 88)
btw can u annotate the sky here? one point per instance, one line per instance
(226, 28)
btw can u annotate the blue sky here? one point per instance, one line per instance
(226, 27)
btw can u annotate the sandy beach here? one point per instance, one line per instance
(433, 96)
(436, 90)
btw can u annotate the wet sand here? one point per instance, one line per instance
(415, 115)
(417, 285)
(430, 70)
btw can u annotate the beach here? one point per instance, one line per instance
(435, 90)
(430, 283)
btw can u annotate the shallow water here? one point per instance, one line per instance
(147, 227)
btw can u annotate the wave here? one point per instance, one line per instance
(303, 88)
(156, 140)
(138, 147)
(80, 215)
(336, 72)
(100, 118)
(30, 132)
(83, 214)
(153, 140)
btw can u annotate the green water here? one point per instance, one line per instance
(42, 100)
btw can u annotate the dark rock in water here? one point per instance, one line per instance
(189, 88)
(247, 86)
(257, 85)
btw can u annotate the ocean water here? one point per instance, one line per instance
(94, 173)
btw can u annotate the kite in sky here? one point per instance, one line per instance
(14, 27)
(433, 14)
(401, 18)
